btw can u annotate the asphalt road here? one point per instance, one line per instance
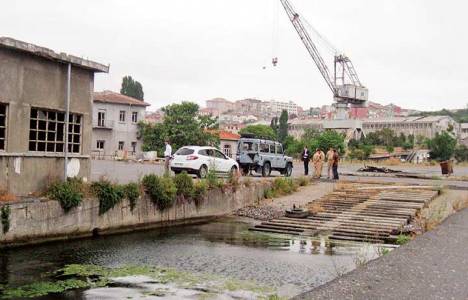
(433, 266)
(124, 172)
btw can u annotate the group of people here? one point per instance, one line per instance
(318, 159)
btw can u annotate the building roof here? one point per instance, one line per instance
(226, 135)
(116, 98)
(48, 54)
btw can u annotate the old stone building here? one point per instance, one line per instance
(33, 121)
(115, 125)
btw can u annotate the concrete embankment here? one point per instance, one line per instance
(41, 220)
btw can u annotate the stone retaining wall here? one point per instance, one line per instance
(41, 220)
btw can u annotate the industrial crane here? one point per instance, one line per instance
(344, 84)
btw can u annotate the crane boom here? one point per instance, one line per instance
(344, 84)
(310, 45)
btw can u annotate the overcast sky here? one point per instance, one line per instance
(408, 52)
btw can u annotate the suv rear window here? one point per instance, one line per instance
(184, 151)
(248, 146)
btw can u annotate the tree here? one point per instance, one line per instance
(442, 146)
(132, 88)
(182, 126)
(328, 139)
(461, 153)
(283, 126)
(274, 125)
(259, 131)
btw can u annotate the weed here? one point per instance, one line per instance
(213, 180)
(233, 180)
(269, 193)
(184, 185)
(303, 181)
(247, 181)
(403, 239)
(381, 251)
(69, 193)
(284, 186)
(5, 218)
(161, 190)
(132, 193)
(108, 194)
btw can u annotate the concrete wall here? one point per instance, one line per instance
(44, 220)
(120, 131)
(29, 81)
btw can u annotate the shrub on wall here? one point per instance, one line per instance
(69, 194)
(132, 193)
(161, 190)
(199, 191)
(184, 185)
(5, 218)
(108, 194)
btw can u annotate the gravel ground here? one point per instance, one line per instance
(433, 266)
(275, 208)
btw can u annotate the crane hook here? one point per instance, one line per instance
(274, 61)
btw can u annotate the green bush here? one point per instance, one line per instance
(69, 194)
(442, 146)
(5, 218)
(461, 153)
(199, 191)
(213, 180)
(284, 186)
(108, 194)
(161, 190)
(184, 185)
(132, 193)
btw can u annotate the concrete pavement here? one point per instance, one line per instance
(433, 266)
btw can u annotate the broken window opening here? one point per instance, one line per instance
(3, 126)
(47, 131)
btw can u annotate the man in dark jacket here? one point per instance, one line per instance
(305, 157)
(336, 160)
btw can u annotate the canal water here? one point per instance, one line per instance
(224, 248)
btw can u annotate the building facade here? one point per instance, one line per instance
(418, 126)
(228, 142)
(275, 108)
(220, 105)
(115, 125)
(33, 121)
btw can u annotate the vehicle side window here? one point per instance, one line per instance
(210, 152)
(272, 149)
(203, 152)
(218, 154)
(279, 149)
(264, 148)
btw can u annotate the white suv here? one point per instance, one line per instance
(199, 160)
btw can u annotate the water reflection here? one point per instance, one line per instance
(224, 248)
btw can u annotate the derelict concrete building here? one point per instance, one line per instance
(34, 90)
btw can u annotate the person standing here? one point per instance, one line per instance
(316, 162)
(305, 157)
(167, 156)
(322, 160)
(336, 159)
(330, 155)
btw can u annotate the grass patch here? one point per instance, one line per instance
(403, 239)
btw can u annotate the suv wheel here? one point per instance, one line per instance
(266, 170)
(288, 170)
(245, 171)
(202, 172)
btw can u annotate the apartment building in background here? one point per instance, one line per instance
(33, 121)
(115, 125)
